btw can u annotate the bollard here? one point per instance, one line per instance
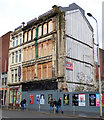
(39, 107)
(73, 110)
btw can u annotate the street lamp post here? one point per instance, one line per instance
(98, 63)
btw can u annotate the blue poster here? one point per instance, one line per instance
(37, 99)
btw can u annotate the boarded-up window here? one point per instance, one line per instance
(40, 31)
(50, 47)
(44, 70)
(29, 73)
(45, 49)
(33, 72)
(39, 71)
(24, 74)
(50, 28)
(34, 33)
(29, 35)
(39, 50)
(33, 52)
(25, 37)
(45, 28)
(29, 53)
(49, 69)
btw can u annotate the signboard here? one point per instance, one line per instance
(66, 99)
(42, 99)
(31, 99)
(92, 99)
(97, 100)
(37, 99)
(69, 66)
(75, 100)
(49, 98)
(81, 99)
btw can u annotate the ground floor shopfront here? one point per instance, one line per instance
(14, 95)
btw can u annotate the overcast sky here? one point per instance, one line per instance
(14, 12)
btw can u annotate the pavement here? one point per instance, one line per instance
(66, 113)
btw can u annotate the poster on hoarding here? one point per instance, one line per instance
(97, 100)
(81, 99)
(31, 99)
(92, 99)
(42, 99)
(103, 99)
(75, 100)
(66, 99)
(37, 99)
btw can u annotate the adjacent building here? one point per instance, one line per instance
(51, 52)
(4, 49)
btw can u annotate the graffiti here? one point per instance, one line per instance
(80, 76)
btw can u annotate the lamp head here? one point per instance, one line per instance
(89, 14)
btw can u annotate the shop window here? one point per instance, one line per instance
(18, 97)
(11, 96)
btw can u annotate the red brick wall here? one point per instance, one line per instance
(5, 50)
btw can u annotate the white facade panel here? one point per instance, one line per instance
(79, 51)
(77, 27)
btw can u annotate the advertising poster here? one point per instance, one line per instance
(31, 99)
(103, 99)
(66, 99)
(42, 99)
(81, 99)
(92, 99)
(75, 100)
(49, 98)
(97, 100)
(37, 99)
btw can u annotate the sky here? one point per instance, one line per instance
(14, 12)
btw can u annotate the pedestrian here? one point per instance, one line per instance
(60, 105)
(24, 103)
(55, 105)
(51, 104)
